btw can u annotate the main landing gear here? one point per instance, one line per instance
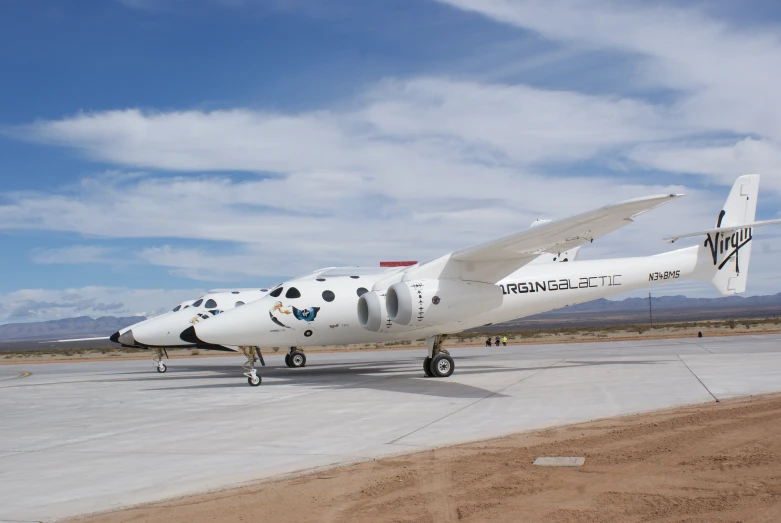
(159, 359)
(252, 354)
(295, 358)
(438, 363)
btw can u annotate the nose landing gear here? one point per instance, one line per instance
(438, 363)
(252, 354)
(159, 359)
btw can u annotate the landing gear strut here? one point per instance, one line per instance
(295, 358)
(252, 354)
(438, 363)
(159, 359)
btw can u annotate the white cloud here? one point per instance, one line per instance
(76, 254)
(721, 161)
(726, 76)
(47, 304)
(416, 167)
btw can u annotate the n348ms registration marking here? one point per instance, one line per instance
(667, 275)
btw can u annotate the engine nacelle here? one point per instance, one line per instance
(372, 314)
(423, 303)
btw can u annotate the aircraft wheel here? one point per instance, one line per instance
(442, 365)
(427, 367)
(287, 359)
(254, 381)
(297, 359)
(161, 368)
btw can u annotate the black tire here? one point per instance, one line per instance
(258, 381)
(442, 365)
(297, 359)
(287, 359)
(162, 368)
(427, 367)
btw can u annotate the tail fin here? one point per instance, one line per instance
(730, 251)
(723, 257)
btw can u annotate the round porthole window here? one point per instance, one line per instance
(308, 333)
(328, 296)
(435, 300)
(361, 291)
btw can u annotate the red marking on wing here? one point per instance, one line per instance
(397, 263)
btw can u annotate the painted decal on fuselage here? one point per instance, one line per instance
(279, 312)
(563, 284)
(201, 316)
(722, 248)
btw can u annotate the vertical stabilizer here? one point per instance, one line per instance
(726, 251)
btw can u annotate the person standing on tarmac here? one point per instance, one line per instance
(497, 341)
(488, 342)
(504, 341)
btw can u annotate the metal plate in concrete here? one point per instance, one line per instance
(559, 461)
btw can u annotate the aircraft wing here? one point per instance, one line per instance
(76, 339)
(490, 262)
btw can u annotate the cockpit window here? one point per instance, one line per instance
(210, 304)
(177, 308)
(239, 304)
(276, 292)
(292, 292)
(198, 303)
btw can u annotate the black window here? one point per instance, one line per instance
(361, 291)
(320, 279)
(210, 304)
(234, 292)
(198, 303)
(328, 296)
(186, 306)
(239, 303)
(263, 290)
(354, 277)
(276, 292)
(292, 292)
(177, 308)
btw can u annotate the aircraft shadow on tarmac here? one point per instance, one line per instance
(404, 376)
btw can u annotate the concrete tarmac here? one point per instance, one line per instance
(78, 438)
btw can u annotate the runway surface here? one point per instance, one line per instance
(86, 437)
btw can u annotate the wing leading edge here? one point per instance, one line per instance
(490, 262)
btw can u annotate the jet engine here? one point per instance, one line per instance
(372, 314)
(423, 303)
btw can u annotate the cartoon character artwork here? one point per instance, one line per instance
(279, 312)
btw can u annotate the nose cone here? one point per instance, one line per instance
(127, 339)
(246, 325)
(164, 331)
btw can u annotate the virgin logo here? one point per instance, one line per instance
(724, 247)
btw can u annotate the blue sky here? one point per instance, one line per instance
(150, 150)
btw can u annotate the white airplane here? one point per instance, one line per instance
(163, 332)
(488, 283)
